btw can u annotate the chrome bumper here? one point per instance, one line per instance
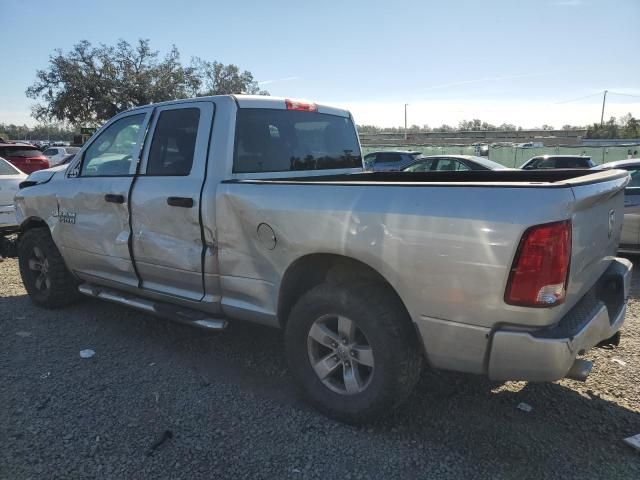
(548, 354)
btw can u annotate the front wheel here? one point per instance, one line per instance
(44, 274)
(353, 350)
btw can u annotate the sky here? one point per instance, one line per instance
(526, 62)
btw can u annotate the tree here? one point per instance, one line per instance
(88, 85)
(218, 79)
(547, 127)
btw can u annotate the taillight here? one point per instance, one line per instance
(302, 106)
(540, 269)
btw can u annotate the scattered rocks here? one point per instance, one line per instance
(106, 421)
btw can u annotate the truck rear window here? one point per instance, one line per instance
(269, 140)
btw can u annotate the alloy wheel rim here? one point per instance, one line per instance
(340, 354)
(39, 267)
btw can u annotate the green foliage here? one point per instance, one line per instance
(89, 84)
(625, 127)
(39, 132)
(465, 125)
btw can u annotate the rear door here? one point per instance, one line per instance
(165, 202)
(92, 210)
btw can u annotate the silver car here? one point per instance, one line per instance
(452, 163)
(630, 239)
(389, 160)
(10, 178)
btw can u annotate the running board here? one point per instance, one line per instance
(165, 310)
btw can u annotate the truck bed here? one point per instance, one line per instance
(482, 177)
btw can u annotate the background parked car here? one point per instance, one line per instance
(558, 161)
(10, 178)
(630, 239)
(452, 163)
(389, 160)
(57, 154)
(25, 157)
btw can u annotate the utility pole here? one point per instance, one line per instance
(405, 121)
(604, 99)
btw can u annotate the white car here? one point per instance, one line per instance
(57, 154)
(10, 178)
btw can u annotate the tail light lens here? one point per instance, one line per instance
(301, 106)
(540, 269)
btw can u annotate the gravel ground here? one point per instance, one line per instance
(232, 410)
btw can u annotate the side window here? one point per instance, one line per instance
(547, 163)
(635, 178)
(421, 166)
(385, 157)
(451, 165)
(50, 152)
(112, 152)
(174, 142)
(369, 161)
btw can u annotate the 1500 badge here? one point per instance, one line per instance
(65, 217)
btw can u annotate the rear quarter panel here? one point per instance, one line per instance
(446, 250)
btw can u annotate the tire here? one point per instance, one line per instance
(44, 274)
(381, 322)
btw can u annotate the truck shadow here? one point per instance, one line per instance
(517, 421)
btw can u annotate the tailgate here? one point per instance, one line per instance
(597, 215)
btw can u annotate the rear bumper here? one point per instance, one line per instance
(548, 354)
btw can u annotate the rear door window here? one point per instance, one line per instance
(420, 166)
(451, 165)
(174, 142)
(270, 140)
(572, 163)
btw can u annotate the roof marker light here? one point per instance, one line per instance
(301, 106)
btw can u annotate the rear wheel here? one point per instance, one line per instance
(44, 274)
(353, 350)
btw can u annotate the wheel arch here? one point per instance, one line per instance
(313, 269)
(33, 222)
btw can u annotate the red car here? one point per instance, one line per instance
(25, 157)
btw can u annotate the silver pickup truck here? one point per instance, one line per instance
(250, 208)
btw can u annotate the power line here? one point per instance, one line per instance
(625, 94)
(579, 98)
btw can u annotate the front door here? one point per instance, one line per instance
(165, 201)
(92, 211)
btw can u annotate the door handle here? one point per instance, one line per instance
(114, 198)
(184, 202)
